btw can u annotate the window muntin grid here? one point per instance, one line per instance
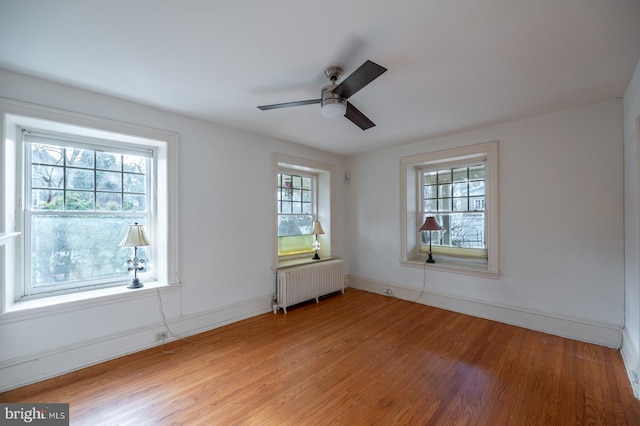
(65, 178)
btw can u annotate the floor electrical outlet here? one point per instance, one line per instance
(161, 336)
(386, 291)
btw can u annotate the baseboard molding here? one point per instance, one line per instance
(601, 334)
(18, 372)
(631, 361)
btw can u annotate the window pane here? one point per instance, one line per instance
(476, 172)
(460, 175)
(430, 205)
(295, 244)
(460, 204)
(430, 178)
(286, 207)
(444, 176)
(444, 190)
(296, 195)
(306, 183)
(464, 230)
(476, 188)
(134, 203)
(108, 161)
(297, 208)
(79, 200)
(134, 183)
(307, 208)
(444, 204)
(431, 191)
(476, 203)
(47, 177)
(297, 182)
(108, 181)
(65, 249)
(80, 179)
(111, 201)
(79, 158)
(44, 199)
(460, 189)
(134, 164)
(47, 154)
(295, 224)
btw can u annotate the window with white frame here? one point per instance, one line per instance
(83, 195)
(304, 191)
(455, 196)
(72, 185)
(296, 198)
(459, 187)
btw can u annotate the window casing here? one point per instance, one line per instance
(83, 197)
(448, 184)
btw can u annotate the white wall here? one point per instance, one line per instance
(561, 226)
(225, 238)
(561, 233)
(631, 345)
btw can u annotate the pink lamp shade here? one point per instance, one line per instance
(430, 224)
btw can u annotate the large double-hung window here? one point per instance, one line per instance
(72, 185)
(296, 200)
(455, 196)
(303, 196)
(82, 195)
(459, 187)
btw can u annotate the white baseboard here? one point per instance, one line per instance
(631, 361)
(23, 371)
(601, 334)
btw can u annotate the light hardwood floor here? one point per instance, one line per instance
(353, 359)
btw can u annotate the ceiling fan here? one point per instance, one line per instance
(333, 100)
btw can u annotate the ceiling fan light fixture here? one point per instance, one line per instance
(335, 107)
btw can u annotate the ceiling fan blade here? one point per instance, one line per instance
(364, 75)
(289, 104)
(358, 118)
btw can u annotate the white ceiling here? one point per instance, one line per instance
(453, 65)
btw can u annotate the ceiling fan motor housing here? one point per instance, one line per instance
(332, 104)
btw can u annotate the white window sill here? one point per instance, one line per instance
(5, 238)
(81, 300)
(456, 268)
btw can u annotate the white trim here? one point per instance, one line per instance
(631, 362)
(409, 212)
(475, 270)
(23, 371)
(599, 333)
(80, 300)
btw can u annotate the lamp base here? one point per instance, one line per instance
(135, 283)
(315, 256)
(430, 259)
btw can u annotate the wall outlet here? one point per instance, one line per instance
(386, 291)
(161, 336)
